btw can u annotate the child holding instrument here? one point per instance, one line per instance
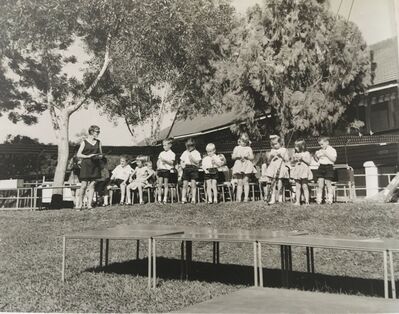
(243, 167)
(277, 169)
(210, 164)
(165, 163)
(301, 172)
(326, 157)
(190, 162)
(142, 175)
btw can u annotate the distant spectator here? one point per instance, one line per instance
(264, 179)
(74, 168)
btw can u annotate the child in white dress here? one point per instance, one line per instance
(263, 179)
(277, 169)
(211, 164)
(301, 172)
(142, 175)
(243, 167)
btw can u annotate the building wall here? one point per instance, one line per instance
(380, 111)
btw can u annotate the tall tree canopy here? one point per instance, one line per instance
(171, 67)
(294, 61)
(136, 43)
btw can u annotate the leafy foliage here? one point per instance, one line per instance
(26, 164)
(167, 61)
(292, 60)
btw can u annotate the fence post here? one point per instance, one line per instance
(371, 172)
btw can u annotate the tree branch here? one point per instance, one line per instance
(128, 126)
(107, 60)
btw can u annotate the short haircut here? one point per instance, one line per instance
(190, 142)
(324, 139)
(167, 141)
(93, 128)
(245, 138)
(123, 157)
(210, 147)
(301, 144)
(275, 139)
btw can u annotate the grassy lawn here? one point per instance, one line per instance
(31, 252)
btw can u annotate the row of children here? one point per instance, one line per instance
(277, 167)
(191, 163)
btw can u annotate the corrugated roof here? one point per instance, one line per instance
(387, 61)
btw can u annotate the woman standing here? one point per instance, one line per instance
(90, 152)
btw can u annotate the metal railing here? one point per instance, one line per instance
(17, 198)
(33, 197)
(382, 177)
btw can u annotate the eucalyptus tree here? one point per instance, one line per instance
(294, 61)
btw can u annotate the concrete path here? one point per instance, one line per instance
(267, 300)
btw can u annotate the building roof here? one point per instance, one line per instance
(194, 125)
(385, 54)
(386, 60)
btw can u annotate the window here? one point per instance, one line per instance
(379, 118)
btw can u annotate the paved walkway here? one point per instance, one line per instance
(267, 300)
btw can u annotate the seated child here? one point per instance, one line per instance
(120, 177)
(166, 160)
(264, 179)
(151, 173)
(190, 161)
(142, 175)
(211, 164)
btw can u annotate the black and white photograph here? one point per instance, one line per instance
(199, 156)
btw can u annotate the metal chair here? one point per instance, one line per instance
(224, 185)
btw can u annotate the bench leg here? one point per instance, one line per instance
(182, 260)
(260, 264)
(101, 251)
(149, 263)
(393, 285)
(385, 275)
(154, 264)
(214, 253)
(106, 251)
(63, 259)
(138, 249)
(218, 253)
(255, 265)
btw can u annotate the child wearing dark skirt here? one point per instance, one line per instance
(190, 161)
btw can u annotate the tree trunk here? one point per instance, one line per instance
(62, 159)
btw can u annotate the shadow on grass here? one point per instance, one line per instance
(170, 269)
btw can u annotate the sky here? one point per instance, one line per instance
(375, 19)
